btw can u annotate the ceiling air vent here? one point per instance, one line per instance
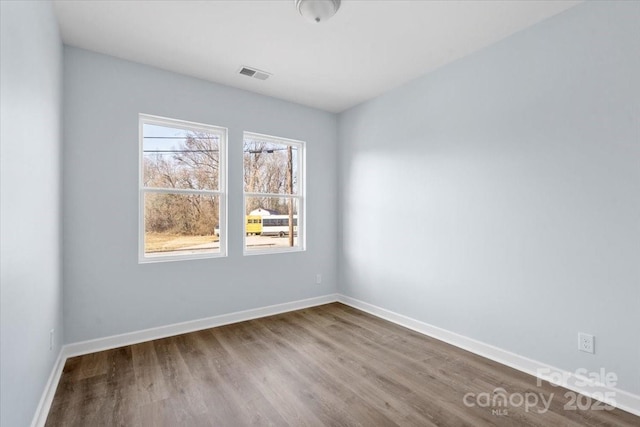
(247, 71)
(252, 72)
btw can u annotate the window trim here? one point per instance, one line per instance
(301, 196)
(221, 192)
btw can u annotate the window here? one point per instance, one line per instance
(273, 191)
(182, 190)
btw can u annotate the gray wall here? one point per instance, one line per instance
(499, 196)
(106, 291)
(30, 253)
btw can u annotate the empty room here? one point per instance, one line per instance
(320, 213)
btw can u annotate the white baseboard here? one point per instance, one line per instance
(624, 400)
(44, 405)
(621, 399)
(115, 341)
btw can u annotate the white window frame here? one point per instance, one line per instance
(221, 192)
(301, 196)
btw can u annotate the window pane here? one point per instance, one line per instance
(178, 224)
(267, 223)
(270, 167)
(178, 158)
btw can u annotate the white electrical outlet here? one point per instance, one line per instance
(586, 343)
(318, 278)
(51, 338)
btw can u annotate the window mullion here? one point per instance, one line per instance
(247, 194)
(180, 191)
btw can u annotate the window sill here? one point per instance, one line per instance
(181, 257)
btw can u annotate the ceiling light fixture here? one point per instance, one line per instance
(317, 10)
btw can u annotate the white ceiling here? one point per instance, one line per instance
(367, 48)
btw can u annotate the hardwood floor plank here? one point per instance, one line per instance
(179, 382)
(157, 413)
(93, 364)
(149, 379)
(249, 404)
(119, 407)
(205, 361)
(277, 384)
(331, 365)
(375, 365)
(319, 389)
(344, 371)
